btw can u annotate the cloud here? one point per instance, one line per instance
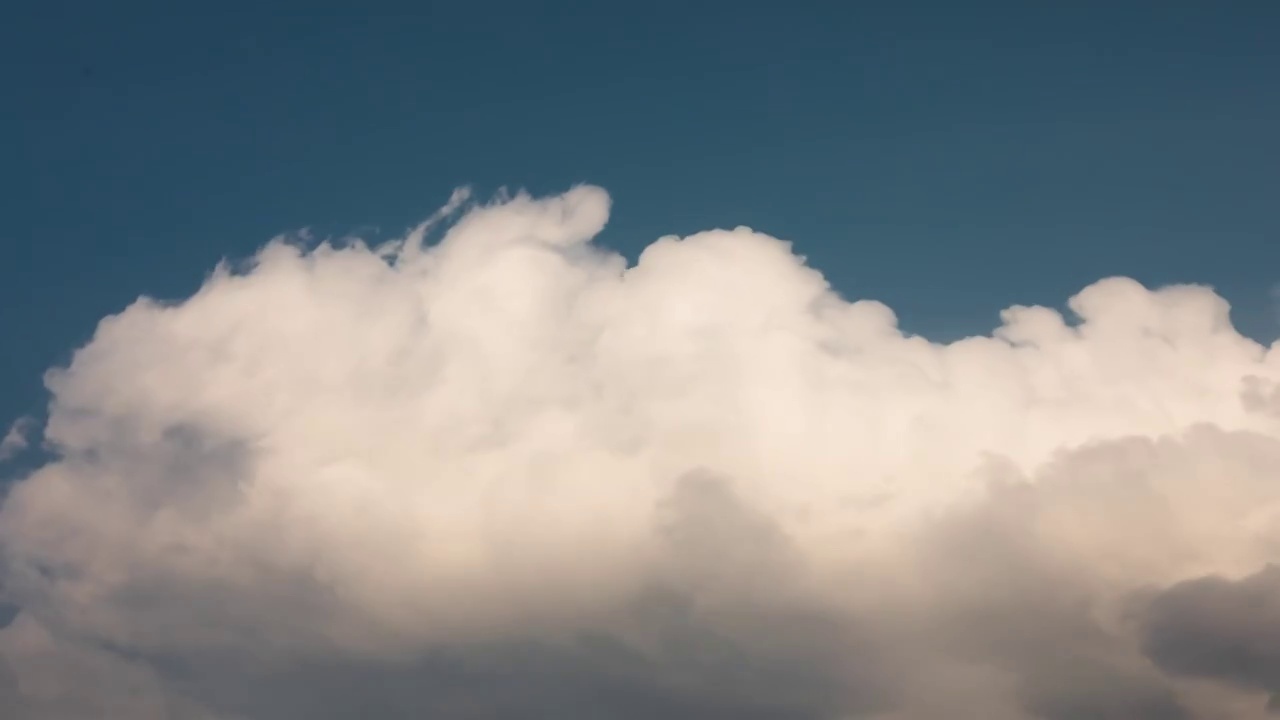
(16, 440)
(503, 473)
(1220, 628)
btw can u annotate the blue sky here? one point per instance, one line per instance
(947, 158)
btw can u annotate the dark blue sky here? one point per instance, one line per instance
(948, 158)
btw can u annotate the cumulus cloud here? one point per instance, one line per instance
(504, 473)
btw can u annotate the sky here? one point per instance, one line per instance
(946, 158)
(893, 362)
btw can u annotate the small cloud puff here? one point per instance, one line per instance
(17, 439)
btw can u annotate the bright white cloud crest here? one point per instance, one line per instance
(510, 437)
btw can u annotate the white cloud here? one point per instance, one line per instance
(701, 484)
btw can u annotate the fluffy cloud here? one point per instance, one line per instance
(505, 474)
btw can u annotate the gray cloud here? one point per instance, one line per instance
(1219, 628)
(16, 439)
